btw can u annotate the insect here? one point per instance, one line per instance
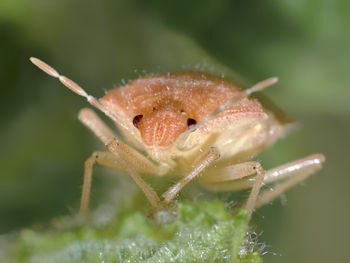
(190, 125)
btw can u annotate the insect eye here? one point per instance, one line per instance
(136, 120)
(191, 122)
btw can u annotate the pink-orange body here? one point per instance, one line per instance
(157, 109)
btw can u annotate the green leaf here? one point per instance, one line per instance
(192, 232)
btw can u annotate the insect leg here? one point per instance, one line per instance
(129, 160)
(204, 162)
(292, 173)
(218, 178)
(254, 193)
(150, 194)
(103, 158)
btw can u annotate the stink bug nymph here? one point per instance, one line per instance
(187, 124)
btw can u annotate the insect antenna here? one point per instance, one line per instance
(70, 84)
(181, 141)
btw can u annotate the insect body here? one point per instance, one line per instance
(187, 124)
(159, 108)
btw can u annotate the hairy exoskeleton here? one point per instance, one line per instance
(188, 124)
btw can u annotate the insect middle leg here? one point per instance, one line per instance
(293, 173)
(103, 158)
(226, 178)
(212, 179)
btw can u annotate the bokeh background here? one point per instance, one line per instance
(101, 44)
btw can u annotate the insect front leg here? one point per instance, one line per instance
(117, 151)
(110, 160)
(125, 158)
(199, 166)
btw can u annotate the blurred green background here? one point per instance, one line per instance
(104, 43)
